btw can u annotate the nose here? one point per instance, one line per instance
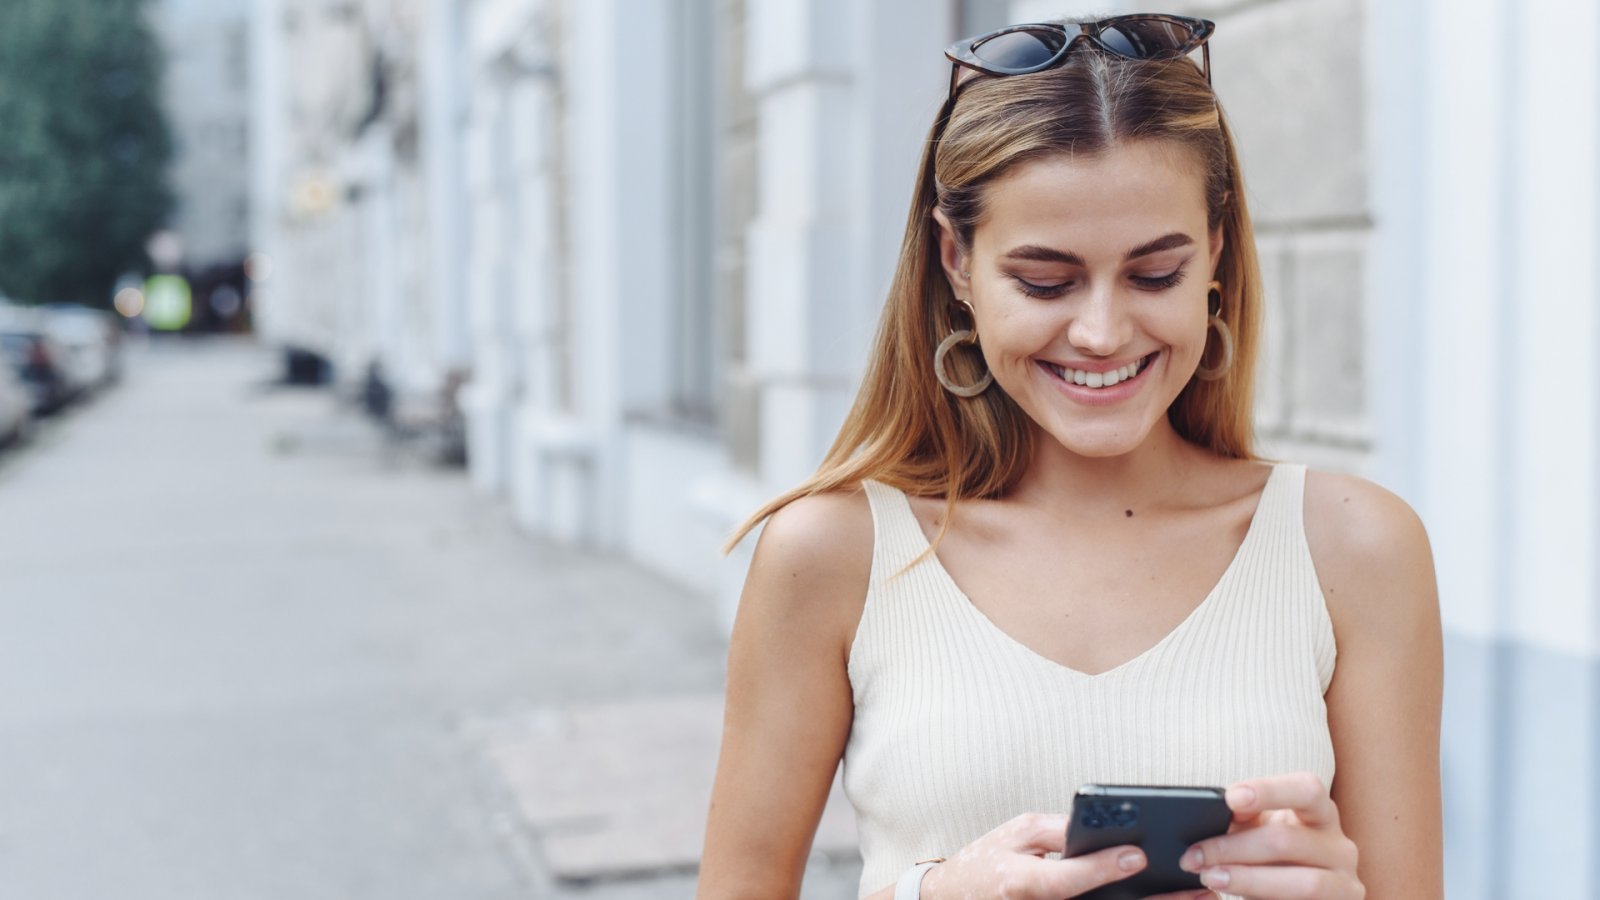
(1099, 326)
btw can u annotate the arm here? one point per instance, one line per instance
(789, 704)
(1377, 832)
(1372, 558)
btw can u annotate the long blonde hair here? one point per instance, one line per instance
(904, 429)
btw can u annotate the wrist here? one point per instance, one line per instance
(911, 884)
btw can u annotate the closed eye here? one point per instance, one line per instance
(1043, 290)
(1159, 282)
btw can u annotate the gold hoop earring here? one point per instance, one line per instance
(1224, 334)
(961, 336)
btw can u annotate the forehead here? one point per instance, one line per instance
(1106, 203)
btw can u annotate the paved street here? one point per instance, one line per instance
(248, 652)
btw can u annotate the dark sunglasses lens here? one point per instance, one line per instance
(1020, 49)
(1145, 38)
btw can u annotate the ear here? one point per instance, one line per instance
(951, 258)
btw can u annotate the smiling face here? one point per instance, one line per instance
(1088, 284)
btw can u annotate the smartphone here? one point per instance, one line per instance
(1162, 821)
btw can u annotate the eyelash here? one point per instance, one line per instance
(1162, 282)
(1046, 291)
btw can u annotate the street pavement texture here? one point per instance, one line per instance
(251, 648)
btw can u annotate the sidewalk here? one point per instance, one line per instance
(247, 651)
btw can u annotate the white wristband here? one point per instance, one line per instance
(909, 887)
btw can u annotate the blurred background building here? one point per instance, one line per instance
(207, 99)
(206, 93)
(651, 239)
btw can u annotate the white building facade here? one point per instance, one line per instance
(656, 235)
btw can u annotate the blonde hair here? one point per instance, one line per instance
(904, 429)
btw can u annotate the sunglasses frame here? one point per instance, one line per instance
(961, 54)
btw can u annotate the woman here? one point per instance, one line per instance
(1041, 552)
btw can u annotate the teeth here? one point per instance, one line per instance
(1100, 379)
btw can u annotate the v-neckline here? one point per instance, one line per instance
(1205, 603)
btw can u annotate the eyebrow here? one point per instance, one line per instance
(1036, 253)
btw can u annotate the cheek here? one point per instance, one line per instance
(1018, 327)
(1010, 344)
(1186, 323)
(1196, 329)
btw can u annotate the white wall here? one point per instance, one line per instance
(1486, 392)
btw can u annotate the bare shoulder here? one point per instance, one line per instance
(823, 537)
(813, 562)
(1369, 547)
(1376, 570)
(789, 702)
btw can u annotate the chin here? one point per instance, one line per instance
(1097, 443)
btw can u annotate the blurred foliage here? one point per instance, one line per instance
(84, 146)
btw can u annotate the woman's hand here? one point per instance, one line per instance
(1008, 863)
(1285, 844)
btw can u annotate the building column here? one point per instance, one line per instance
(540, 317)
(841, 126)
(379, 339)
(596, 339)
(442, 70)
(1485, 341)
(490, 394)
(804, 299)
(269, 151)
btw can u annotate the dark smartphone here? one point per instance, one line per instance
(1163, 821)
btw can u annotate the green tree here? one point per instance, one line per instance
(84, 146)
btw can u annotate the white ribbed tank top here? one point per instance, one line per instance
(959, 727)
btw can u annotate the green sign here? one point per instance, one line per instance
(167, 304)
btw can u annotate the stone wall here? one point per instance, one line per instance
(1294, 94)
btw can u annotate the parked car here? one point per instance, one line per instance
(37, 357)
(93, 342)
(16, 407)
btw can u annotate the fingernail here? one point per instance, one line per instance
(1193, 860)
(1241, 796)
(1214, 878)
(1131, 860)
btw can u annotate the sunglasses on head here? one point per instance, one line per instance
(1024, 49)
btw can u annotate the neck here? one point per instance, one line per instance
(1141, 478)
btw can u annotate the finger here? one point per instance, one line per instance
(1244, 820)
(1278, 844)
(1302, 792)
(1074, 876)
(1281, 882)
(1035, 833)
